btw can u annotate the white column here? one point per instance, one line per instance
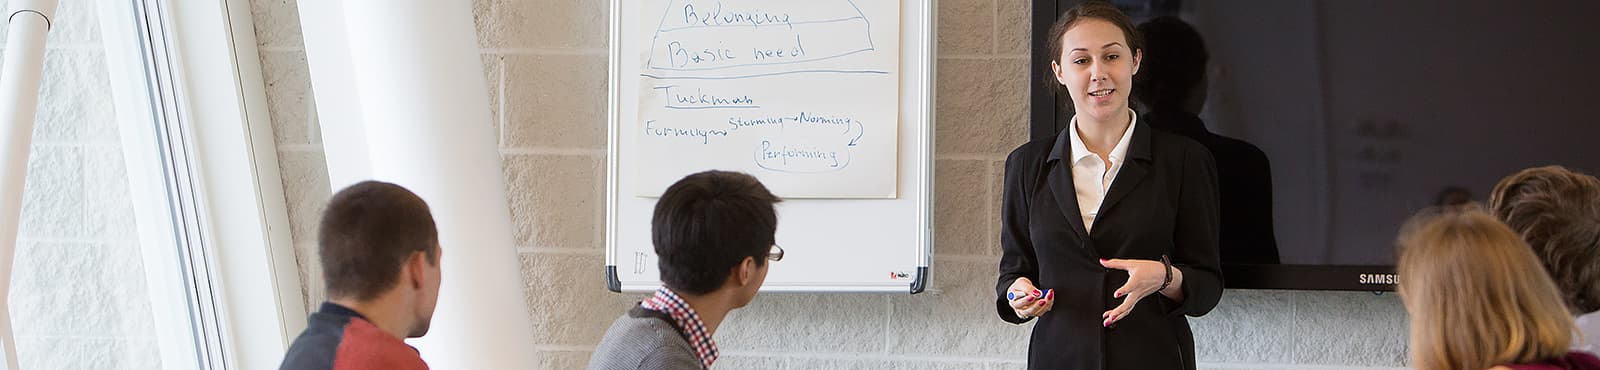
(29, 20)
(402, 98)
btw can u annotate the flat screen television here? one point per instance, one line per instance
(1369, 111)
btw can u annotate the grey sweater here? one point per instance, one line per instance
(644, 340)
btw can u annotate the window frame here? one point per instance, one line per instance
(231, 200)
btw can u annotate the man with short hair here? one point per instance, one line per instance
(1557, 211)
(713, 235)
(380, 258)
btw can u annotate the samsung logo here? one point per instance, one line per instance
(1377, 279)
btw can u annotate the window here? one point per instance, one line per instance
(143, 195)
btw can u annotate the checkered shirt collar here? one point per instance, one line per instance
(694, 330)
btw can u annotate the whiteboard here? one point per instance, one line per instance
(828, 103)
(801, 94)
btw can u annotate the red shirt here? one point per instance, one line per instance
(338, 338)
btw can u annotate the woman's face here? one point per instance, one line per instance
(1097, 68)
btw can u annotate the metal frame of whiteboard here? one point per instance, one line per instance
(917, 24)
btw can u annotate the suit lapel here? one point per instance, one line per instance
(1134, 169)
(1067, 200)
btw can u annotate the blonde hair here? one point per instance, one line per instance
(1477, 295)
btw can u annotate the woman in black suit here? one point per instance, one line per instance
(1117, 222)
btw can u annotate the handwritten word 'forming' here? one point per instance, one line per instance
(703, 135)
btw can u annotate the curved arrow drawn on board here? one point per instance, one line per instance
(861, 132)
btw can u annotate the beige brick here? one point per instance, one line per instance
(600, 212)
(1248, 366)
(306, 190)
(1023, 365)
(958, 318)
(736, 362)
(314, 285)
(1015, 31)
(555, 200)
(806, 323)
(277, 23)
(997, 190)
(555, 101)
(480, 20)
(1254, 323)
(493, 69)
(966, 27)
(983, 106)
(562, 360)
(568, 300)
(960, 209)
(542, 23)
(288, 82)
(313, 125)
(877, 364)
(1380, 321)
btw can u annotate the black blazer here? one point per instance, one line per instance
(1162, 202)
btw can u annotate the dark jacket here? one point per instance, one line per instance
(1162, 202)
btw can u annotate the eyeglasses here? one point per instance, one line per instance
(776, 254)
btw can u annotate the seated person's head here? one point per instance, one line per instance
(379, 246)
(1558, 213)
(1173, 72)
(1476, 294)
(713, 232)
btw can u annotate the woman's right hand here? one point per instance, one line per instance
(1026, 306)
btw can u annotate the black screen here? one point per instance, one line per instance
(1369, 111)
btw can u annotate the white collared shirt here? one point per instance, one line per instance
(1090, 176)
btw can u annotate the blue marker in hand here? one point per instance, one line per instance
(1036, 294)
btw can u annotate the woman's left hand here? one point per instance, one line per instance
(1144, 278)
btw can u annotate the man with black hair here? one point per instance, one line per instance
(713, 235)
